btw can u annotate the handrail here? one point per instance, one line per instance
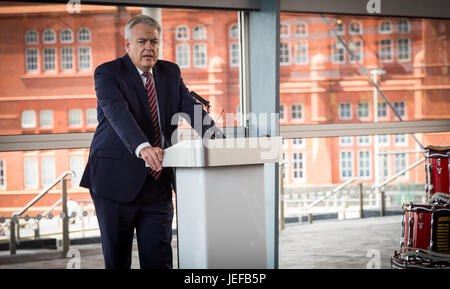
(43, 193)
(398, 174)
(334, 191)
(65, 223)
(52, 207)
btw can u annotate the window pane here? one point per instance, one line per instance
(183, 59)
(46, 118)
(47, 171)
(30, 173)
(75, 117)
(66, 36)
(28, 118)
(84, 58)
(32, 60)
(200, 57)
(49, 59)
(31, 37)
(84, 35)
(49, 36)
(66, 58)
(91, 117)
(182, 32)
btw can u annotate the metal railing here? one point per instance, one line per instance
(380, 187)
(331, 193)
(64, 215)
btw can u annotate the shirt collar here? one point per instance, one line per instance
(140, 71)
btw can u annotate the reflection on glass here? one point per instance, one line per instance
(331, 79)
(329, 54)
(49, 56)
(313, 167)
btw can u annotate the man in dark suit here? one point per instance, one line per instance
(137, 97)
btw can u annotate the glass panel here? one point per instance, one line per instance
(59, 59)
(315, 166)
(407, 58)
(63, 101)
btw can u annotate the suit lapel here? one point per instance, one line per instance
(133, 76)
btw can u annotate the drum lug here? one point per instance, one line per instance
(410, 231)
(431, 228)
(426, 179)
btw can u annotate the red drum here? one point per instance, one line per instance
(437, 174)
(426, 228)
(417, 261)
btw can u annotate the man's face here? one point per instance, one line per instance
(143, 47)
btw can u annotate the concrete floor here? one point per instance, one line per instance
(352, 244)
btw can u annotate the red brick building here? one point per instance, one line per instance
(48, 57)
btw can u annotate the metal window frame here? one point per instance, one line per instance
(397, 8)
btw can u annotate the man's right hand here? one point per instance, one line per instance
(153, 156)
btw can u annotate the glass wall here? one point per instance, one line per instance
(49, 54)
(351, 69)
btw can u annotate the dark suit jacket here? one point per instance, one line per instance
(124, 122)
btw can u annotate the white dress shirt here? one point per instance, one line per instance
(147, 144)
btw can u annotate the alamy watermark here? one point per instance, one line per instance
(374, 7)
(73, 6)
(375, 261)
(74, 261)
(262, 125)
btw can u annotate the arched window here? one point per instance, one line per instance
(234, 31)
(199, 32)
(301, 29)
(66, 36)
(355, 27)
(84, 35)
(182, 32)
(385, 27)
(284, 29)
(403, 26)
(338, 26)
(31, 37)
(48, 36)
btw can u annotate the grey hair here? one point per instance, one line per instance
(144, 19)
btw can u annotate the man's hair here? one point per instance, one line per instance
(144, 19)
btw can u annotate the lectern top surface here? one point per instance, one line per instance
(223, 152)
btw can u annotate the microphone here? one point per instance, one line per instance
(200, 99)
(205, 103)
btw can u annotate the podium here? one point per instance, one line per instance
(221, 205)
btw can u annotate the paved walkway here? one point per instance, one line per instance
(357, 243)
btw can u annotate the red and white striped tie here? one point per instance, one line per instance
(151, 93)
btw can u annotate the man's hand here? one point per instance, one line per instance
(153, 156)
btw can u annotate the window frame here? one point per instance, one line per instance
(44, 35)
(177, 31)
(65, 41)
(28, 64)
(352, 164)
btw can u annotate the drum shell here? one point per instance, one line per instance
(417, 231)
(426, 227)
(438, 174)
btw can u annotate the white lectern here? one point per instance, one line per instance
(221, 201)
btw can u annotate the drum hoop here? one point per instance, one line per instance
(427, 155)
(428, 209)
